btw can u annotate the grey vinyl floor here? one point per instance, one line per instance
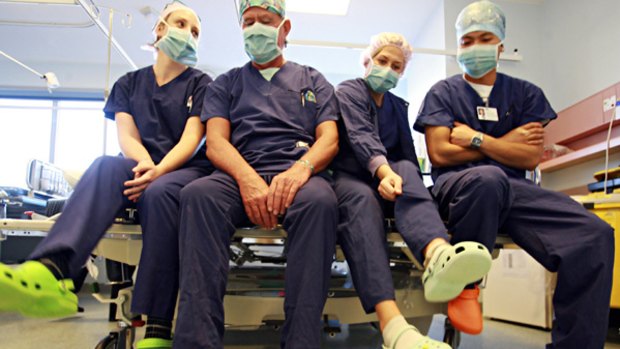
(86, 329)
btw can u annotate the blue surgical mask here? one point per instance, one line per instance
(382, 79)
(477, 60)
(179, 45)
(261, 42)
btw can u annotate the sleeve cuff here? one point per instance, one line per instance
(375, 163)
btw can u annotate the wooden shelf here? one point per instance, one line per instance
(580, 156)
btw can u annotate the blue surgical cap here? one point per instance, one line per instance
(481, 16)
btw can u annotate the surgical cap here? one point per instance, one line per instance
(481, 16)
(175, 6)
(379, 41)
(276, 6)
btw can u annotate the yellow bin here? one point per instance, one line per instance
(610, 213)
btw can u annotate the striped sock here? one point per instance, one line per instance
(158, 328)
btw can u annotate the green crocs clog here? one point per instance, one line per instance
(33, 290)
(9, 289)
(454, 267)
(154, 343)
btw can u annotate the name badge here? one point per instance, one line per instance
(487, 114)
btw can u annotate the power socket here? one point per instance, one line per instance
(609, 104)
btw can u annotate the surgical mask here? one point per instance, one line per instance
(261, 42)
(477, 60)
(381, 79)
(179, 45)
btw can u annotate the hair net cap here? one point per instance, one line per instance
(175, 6)
(379, 41)
(481, 16)
(276, 6)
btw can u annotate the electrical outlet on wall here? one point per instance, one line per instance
(609, 103)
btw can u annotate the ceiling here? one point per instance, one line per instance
(221, 43)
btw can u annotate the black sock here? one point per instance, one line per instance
(472, 286)
(158, 328)
(58, 264)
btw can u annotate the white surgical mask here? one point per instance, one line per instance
(180, 45)
(261, 42)
(477, 60)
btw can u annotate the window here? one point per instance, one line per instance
(79, 134)
(25, 130)
(67, 133)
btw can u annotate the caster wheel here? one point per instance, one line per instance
(108, 342)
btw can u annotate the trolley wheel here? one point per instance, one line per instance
(108, 342)
(451, 335)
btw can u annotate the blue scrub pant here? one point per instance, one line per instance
(96, 201)
(157, 282)
(211, 209)
(554, 229)
(361, 231)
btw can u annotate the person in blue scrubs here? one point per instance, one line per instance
(271, 132)
(157, 111)
(376, 174)
(479, 163)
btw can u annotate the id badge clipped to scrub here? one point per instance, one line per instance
(487, 114)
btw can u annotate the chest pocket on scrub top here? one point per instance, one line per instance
(301, 109)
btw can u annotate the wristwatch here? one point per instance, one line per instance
(476, 140)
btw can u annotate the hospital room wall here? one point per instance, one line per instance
(581, 50)
(425, 70)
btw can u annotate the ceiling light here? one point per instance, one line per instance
(323, 7)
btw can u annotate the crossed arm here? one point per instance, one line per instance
(520, 148)
(264, 203)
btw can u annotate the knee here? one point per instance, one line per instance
(406, 168)
(191, 192)
(319, 197)
(488, 178)
(107, 162)
(158, 191)
(199, 192)
(114, 168)
(604, 235)
(360, 195)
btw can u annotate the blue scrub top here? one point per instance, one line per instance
(367, 132)
(160, 112)
(272, 122)
(388, 125)
(518, 102)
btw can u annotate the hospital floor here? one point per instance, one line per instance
(86, 329)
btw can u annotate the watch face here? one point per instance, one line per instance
(476, 142)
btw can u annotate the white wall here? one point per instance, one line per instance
(581, 48)
(425, 70)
